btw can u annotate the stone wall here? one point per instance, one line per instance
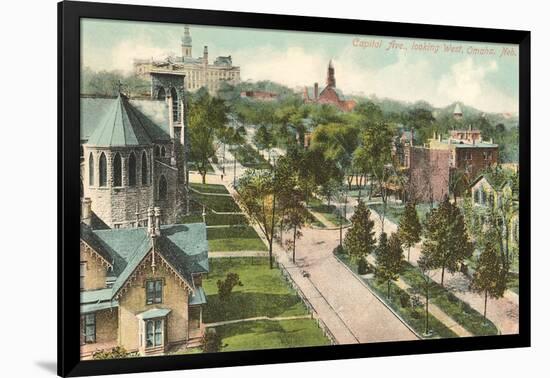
(94, 276)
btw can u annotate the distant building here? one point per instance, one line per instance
(259, 95)
(199, 72)
(329, 95)
(457, 113)
(430, 167)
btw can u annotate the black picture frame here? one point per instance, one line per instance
(69, 15)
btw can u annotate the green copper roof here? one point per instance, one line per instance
(184, 246)
(154, 313)
(93, 296)
(93, 307)
(121, 122)
(198, 297)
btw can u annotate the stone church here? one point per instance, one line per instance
(133, 155)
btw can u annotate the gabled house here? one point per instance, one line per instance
(141, 288)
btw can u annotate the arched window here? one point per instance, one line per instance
(162, 94)
(157, 151)
(102, 170)
(81, 151)
(91, 171)
(132, 170)
(162, 151)
(144, 169)
(117, 170)
(174, 95)
(163, 188)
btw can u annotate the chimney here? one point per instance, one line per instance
(491, 140)
(157, 220)
(86, 211)
(316, 91)
(150, 222)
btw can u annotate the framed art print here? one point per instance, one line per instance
(262, 188)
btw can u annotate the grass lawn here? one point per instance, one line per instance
(217, 203)
(213, 219)
(414, 316)
(209, 188)
(265, 334)
(330, 212)
(264, 292)
(249, 157)
(394, 211)
(236, 238)
(457, 309)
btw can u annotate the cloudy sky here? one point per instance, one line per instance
(398, 68)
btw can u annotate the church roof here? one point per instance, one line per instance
(183, 246)
(114, 122)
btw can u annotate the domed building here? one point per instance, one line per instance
(132, 159)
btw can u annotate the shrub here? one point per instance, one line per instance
(451, 297)
(362, 266)
(211, 341)
(405, 299)
(116, 352)
(339, 250)
(225, 287)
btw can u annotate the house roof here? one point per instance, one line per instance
(154, 313)
(198, 297)
(183, 246)
(95, 300)
(123, 122)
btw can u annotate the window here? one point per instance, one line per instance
(153, 291)
(102, 170)
(174, 104)
(162, 94)
(89, 328)
(162, 151)
(132, 170)
(117, 170)
(157, 151)
(163, 188)
(144, 169)
(155, 331)
(91, 173)
(82, 274)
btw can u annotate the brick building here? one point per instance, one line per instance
(430, 167)
(330, 94)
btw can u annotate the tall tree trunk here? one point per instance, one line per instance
(442, 274)
(223, 159)
(203, 177)
(272, 233)
(294, 247)
(389, 287)
(427, 302)
(485, 306)
(409, 254)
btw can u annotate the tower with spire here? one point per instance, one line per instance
(186, 44)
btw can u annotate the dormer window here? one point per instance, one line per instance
(153, 291)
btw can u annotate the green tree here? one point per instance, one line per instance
(225, 287)
(489, 278)
(207, 115)
(360, 239)
(446, 243)
(389, 259)
(410, 228)
(257, 194)
(211, 341)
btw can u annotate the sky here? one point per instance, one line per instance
(481, 75)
